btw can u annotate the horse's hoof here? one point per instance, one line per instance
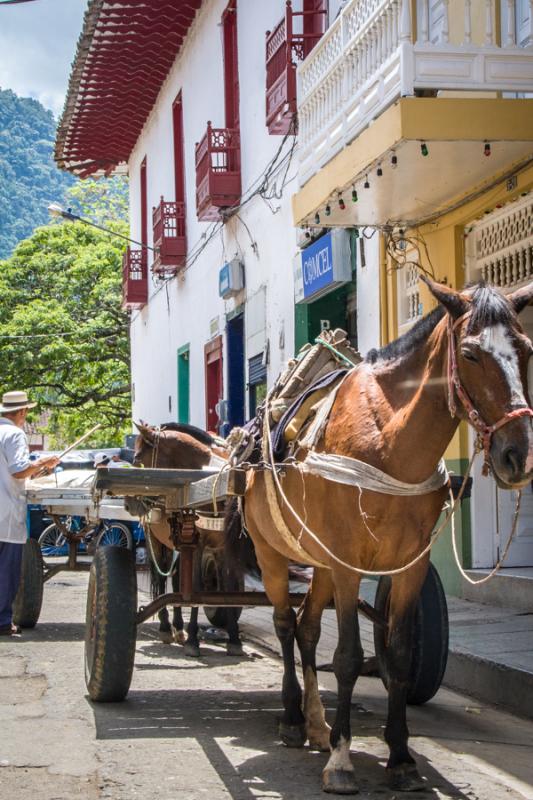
(166, 637)
(191, 649)
(339, 781)
(292, 735)
(179, 636)
(320, 742)
(234, 649)
(405, 778)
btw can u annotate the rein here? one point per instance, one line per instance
(484, 430)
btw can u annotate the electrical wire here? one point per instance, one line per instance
(258, 188)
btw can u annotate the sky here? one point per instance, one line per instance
(37, 46)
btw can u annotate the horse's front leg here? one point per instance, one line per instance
(338, 776)
(275, 575)
(405, 589)
(307, 635)
(178, 632)
(192, 645)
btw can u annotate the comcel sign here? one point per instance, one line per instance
(322, 266)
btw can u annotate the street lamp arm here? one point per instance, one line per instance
(57, 211)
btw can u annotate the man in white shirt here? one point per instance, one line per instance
(15, 467)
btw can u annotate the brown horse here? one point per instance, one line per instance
(397, 411)
(182, 446)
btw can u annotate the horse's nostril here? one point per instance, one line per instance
(511, 459)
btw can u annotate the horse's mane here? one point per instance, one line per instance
(408, 341)
(488, 307)
(183, 427)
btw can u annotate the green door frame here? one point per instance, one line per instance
(183, 383)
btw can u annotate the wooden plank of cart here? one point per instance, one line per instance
(113, 616)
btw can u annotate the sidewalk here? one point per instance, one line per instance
(490, 654)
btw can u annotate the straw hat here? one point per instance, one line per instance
(14, 401)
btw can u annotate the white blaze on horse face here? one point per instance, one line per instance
(496, 341)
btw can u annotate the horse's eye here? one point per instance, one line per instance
(469, 356)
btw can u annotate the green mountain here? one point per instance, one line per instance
(29, 178)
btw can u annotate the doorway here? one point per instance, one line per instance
(213, 382)
(235, 355)
(184, 384)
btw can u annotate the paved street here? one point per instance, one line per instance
(207, 728)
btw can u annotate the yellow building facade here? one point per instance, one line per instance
(418, 129)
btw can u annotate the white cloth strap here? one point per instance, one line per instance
(353, 472)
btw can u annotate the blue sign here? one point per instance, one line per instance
(317, 265)
(223, 280)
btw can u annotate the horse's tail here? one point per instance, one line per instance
(239, 551)
(197, 433)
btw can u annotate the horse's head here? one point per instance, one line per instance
(166, 448)
(490, 374)
(144, 454)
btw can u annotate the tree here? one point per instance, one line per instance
(29, 178)
(63, 334)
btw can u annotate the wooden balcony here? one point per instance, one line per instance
(218, 172)
(170, 242)
(134, 279)
(284, 48)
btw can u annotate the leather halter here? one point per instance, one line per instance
(455, 386)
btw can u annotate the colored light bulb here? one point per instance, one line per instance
(424, 149)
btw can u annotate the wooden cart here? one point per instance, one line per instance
(113, 615)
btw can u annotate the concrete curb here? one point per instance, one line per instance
(497, 684)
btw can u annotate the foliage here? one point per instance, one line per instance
(66, 279)
(29, 178)
(101, 201)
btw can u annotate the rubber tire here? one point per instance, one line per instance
(430, 640)
(29, 599)
(211, 581)
(111, 624)
(118, 526)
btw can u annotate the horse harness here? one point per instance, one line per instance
(483, 430)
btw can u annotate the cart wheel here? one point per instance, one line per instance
(29, 599)
(211, 581)
(430, 643)
(110, 629)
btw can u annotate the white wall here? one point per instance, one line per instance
(368, 296)
(181, 311)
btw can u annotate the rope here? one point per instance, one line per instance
(175, 555)
(500, 560)
(224, 467)
(340, 561)
(336, 352)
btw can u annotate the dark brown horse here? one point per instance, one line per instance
(397, 411)
(181, 446)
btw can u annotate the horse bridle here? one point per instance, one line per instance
(455, 386)
(154, 445)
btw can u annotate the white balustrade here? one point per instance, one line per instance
(370, 56)
(500, 247)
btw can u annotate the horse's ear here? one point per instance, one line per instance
(145, 431)
(521, 298)
(454, 302)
